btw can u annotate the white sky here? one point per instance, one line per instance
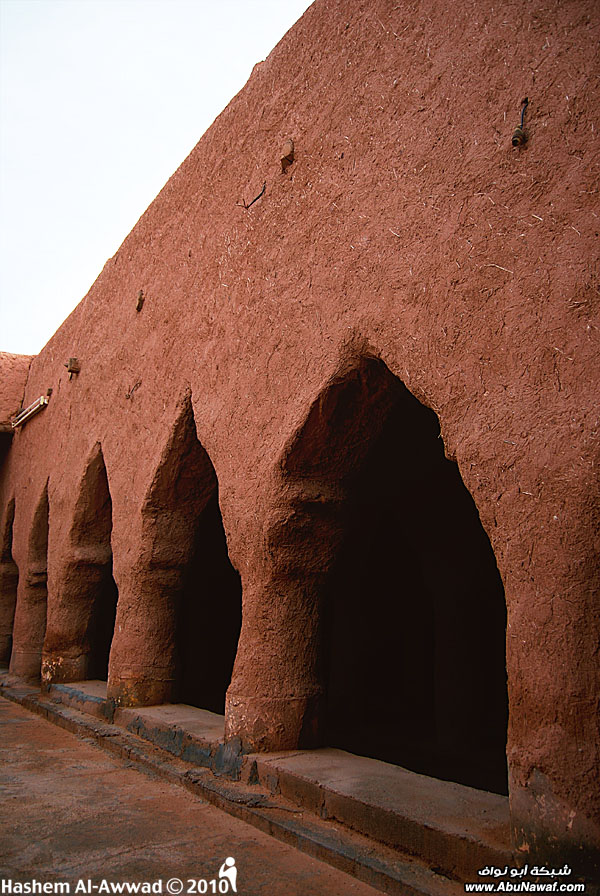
(100, 102)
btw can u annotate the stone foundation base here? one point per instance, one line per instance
(26, 664)
(140, 691)
(270, 724)
(59, 668)
(556, 836)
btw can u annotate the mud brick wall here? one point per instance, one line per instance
(408, 246)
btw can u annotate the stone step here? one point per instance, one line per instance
(87, 696)
(455, 829)
(450, 827)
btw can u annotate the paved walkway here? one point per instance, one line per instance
(69, 812)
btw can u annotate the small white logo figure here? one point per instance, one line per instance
(229, 871)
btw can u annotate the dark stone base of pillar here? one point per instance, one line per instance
(140, 691)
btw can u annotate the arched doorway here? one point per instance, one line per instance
(210, 615)
(91, 540)
(83, 600)
(189, 583)
(411, 605)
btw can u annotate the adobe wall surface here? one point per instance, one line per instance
(407, 229)
(13, 376)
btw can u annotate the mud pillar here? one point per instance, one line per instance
(78, 584)
(143, 655)
(275, 700)
(554, 682)
(30, 623)
(9, 578)
(32, 600)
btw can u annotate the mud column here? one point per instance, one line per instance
(30, 623)
(77, 586)
(32, 600)
(143, 657)
(275, 700)
(554, 681)
(9, 578)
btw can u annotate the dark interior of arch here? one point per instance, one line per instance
(414, 617)
(207, 598)
(98, 593)
(210, 615)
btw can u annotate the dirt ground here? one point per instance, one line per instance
(70, 812)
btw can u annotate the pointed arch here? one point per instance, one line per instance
(183, 485)
(91, 540)
(185, 604)
(392, 612)
(9, 580)
(83, 612)
(32, 598)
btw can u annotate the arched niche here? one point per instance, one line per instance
(408, 605)
(31, 609)
(9, 579)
